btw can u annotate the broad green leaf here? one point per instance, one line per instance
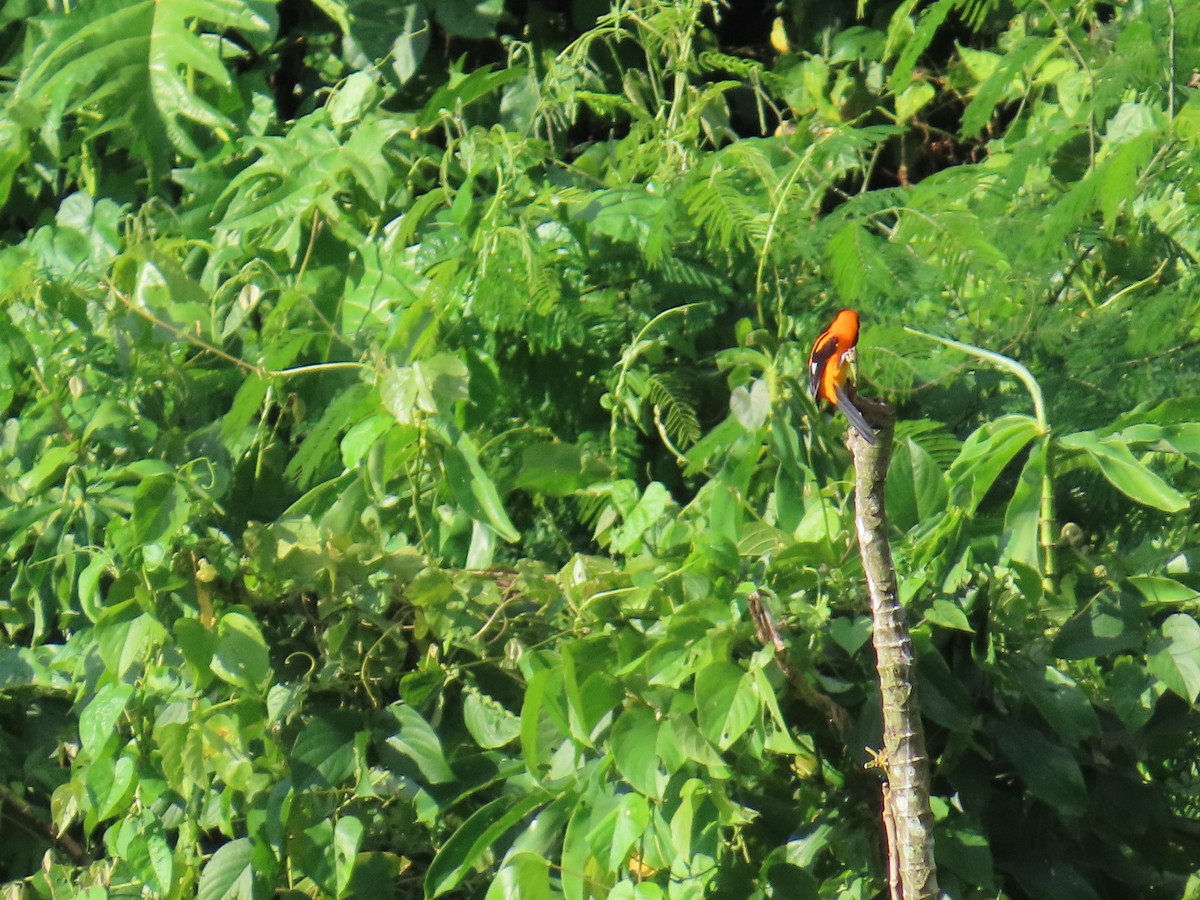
(913, 99)
(463, 90)
(47, 470)
(98, 721)
(751, 405)
(1102, 628)
(411, 44)
(1134, 693)
(915, 487)
(577, 853)
(965, 852)
(523, 875)
(460, 854)
(469, 18)
(490, 724)
(132, 840)
(1022, 518)
(114, 789)
(229, 874)
(1175, 657)
(322, 756)
(420, 743)
(240, 655)
(347, 838)
(1062, 704)
(985, 454)
(352, 99)
(1119, 175)
(1166, 591)
(850, 634)
(947, 614)
(532, 709)
(474, 489)
(362, 437)
(642, 517)
(1116, 463)
(633, 745)
(197, 644)
(555, 469)
(632, 817)
(1051, 772)
(592, 696)
(727, 702)
(90, 599)
(160, 510)
(155, 69)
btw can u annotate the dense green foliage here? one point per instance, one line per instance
(403, 404)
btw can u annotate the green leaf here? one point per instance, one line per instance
(198, 644)
(490, 724)
(361, 437)
(1165, 591)
(1102, 628)
(47, 470)
(947, 614)
(322, 756)
(965, 852)
(420, 743)
(849, 252)
(1114, 461)
(751, 406)
(850, 634)
(1175, 657)
(160, 510)
(641, 518)
(553, 468)
(411, 43)
(531, 720)
(913, 99)
(727, 702)
(632, 817)
(465, 848)
(524, 876)
(916, 488)
(152, 69)
(999, 83)
(1134, 693)
(1051, 772)
(98, 721)
(474, 490)
(1062, 704)
(469, 18)
(229, 875)
(240, 656)
(985, 454)
(1022, 518)
(462, 90)
(918, 42)
(113, 790)
(347, 838)
(633, 745)
(140, 841)
(1119, 175)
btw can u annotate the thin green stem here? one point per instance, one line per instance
(1000, 361)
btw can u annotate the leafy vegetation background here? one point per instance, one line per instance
(403, 411)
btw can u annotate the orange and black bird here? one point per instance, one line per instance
(829, 367)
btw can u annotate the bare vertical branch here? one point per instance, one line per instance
(905, 764)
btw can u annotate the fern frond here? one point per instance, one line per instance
(667, 393)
